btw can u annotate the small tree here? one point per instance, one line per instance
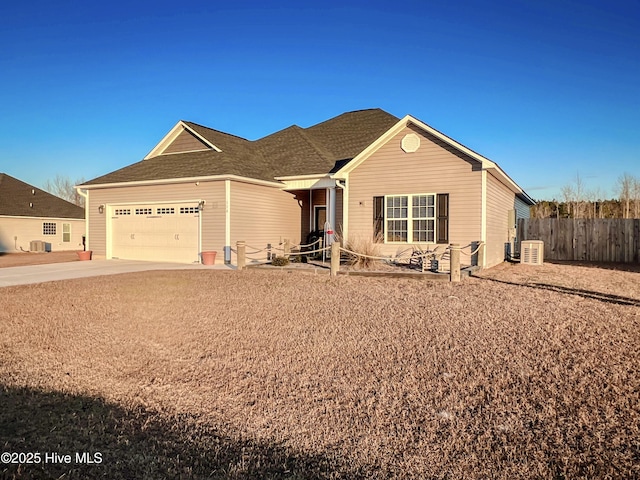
(624, 187)
(636, 197)
(574, 196)
(63, 187)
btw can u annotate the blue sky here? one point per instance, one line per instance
(547, 89)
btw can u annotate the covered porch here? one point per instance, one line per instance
(321, 203)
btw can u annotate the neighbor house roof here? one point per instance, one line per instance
(19, 199)
(291, 151)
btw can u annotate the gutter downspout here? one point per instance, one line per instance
(85, 194)
(345, 208)
(227, 222)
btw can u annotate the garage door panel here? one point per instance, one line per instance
(158, 232)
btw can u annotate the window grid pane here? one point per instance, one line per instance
(48, 228)
(411, 218)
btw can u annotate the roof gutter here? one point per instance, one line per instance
(168, 181)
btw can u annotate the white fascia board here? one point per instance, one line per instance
(406, 120)
(58, 219)
(303, 177)
(172, 135)
(309, 183)
(371, 149)
(168, 181)
(502, 177)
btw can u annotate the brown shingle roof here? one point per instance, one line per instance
(292, 151)
(16, 198)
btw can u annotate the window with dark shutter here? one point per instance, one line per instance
(443, 218)
(378, 219)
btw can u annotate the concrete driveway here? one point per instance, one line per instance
(63, 271)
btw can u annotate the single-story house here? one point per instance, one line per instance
(28, 213)
(361, 174)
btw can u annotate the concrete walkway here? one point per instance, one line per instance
(63, 271)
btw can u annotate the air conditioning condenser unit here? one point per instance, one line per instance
(36, 246)
(532, 252)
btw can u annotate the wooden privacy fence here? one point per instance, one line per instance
(591, 240)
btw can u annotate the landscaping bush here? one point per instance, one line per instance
(280, 261)
(364, 245)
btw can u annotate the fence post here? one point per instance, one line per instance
(241, 252)
(269, 251)
(455, 262)
(287, 247)
(335, 258)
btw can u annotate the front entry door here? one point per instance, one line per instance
(320, 217)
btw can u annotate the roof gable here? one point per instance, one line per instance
(19, 199)
(409, 120)
(186, 141)
(182, 138)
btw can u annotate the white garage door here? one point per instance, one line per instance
(158, 232)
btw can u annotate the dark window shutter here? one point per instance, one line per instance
(442, 204)
(378, 219)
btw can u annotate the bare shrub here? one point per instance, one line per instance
(364, 245)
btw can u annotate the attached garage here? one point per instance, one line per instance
(167, 232)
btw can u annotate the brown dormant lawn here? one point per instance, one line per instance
(32, 258)
(212, 374)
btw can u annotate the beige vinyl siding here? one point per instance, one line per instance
(27, 229)
(304, 197)
(434, 168)
(212, 217)
(262, 215)
(500, 200)
(186, 142)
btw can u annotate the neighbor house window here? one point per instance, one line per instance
(66, 232)
(419, 218)
(48, 228)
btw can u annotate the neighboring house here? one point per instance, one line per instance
(28, 213)
(364, 173)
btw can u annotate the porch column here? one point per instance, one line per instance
(331, 213)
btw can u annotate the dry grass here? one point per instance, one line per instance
(169, 375)
(364, 245)
(32, 258)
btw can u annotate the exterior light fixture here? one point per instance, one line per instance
(101, 209)
(201, 205)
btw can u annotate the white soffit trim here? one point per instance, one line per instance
(312, 182)
(303, 177)
(168, 181)
(172, 135)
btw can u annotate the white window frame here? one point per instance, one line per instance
(49, 228)
(410, 218)
(67, 227)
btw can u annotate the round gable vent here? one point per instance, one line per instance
(410, 142)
